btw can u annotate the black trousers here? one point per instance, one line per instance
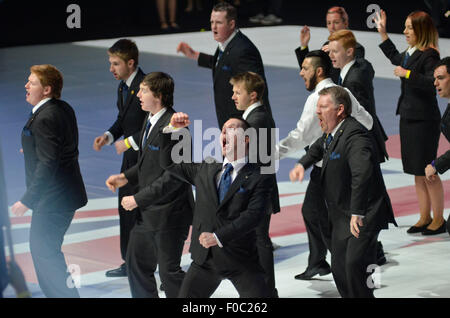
(146, 250)
(352, 262)
(265, 252)
(315, 216)
(46, 237)
(202, 280)
(127, 219)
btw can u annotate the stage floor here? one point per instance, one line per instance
(417, 265)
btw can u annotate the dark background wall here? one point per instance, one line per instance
(33, 22)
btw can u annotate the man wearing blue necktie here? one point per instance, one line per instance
(231, 199)
(124, 58)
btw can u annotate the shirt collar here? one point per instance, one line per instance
(322, 84)
(38, 105)
(333, 133)
(237, 164)
(130, 79)
(223, 46)
(250, 108)
(154, 118)
(345, 69)
(411, 50)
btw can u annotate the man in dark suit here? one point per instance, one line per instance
(235, 54)
(248, 89)
(55, 187)
(165, 202)
(442, 84)
(231, 199)
(336, 19)
(124, 59)
(357, 200)
(357, 75)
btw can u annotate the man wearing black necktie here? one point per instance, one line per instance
(231, 199)
(235, 54)
(165, 202)
(124, 58)
(355, 193)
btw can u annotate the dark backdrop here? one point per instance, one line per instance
(33, 22)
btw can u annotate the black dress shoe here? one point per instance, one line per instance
(311, 272)
(381, 259)
(439, 230)
(118, 272)
(417, 229)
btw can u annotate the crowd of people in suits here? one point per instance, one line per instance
(346, 203)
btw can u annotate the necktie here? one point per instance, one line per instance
(124, 92)
(225, 182)
(328, 140)
(405, 60)
(340, 80)
(219, 56)
(147, 129)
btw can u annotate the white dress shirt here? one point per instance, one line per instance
(38, 105)
(345, 70)
(153, 120)
(308, 129)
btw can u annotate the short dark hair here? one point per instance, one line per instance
(339, 95)
(320, 59)
(252, 83)
(161, 85)
(228, 8)
(125, 49)
(444, 62)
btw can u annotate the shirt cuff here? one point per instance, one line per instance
(110, 137)
(133, 143)
(217, 239)
(361, 216)
(170, 129)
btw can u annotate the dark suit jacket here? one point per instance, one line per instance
(418, 94)
(240, 55)
(129, 119)
(352, 179)
(165, 202)
(442, 163)
(233, 220)
(50, 148)
(359, 80)
(301, 54)
(260, 118)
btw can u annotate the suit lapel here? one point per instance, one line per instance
(32, 117)
(332, 146)
(132, 90)
(155, 129)
(220, 64)
(214, 169)
(412, 58)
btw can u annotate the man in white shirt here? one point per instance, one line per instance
(315, 72)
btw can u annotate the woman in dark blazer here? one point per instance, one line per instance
(419, 112)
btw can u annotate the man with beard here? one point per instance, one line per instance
(316, 68)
